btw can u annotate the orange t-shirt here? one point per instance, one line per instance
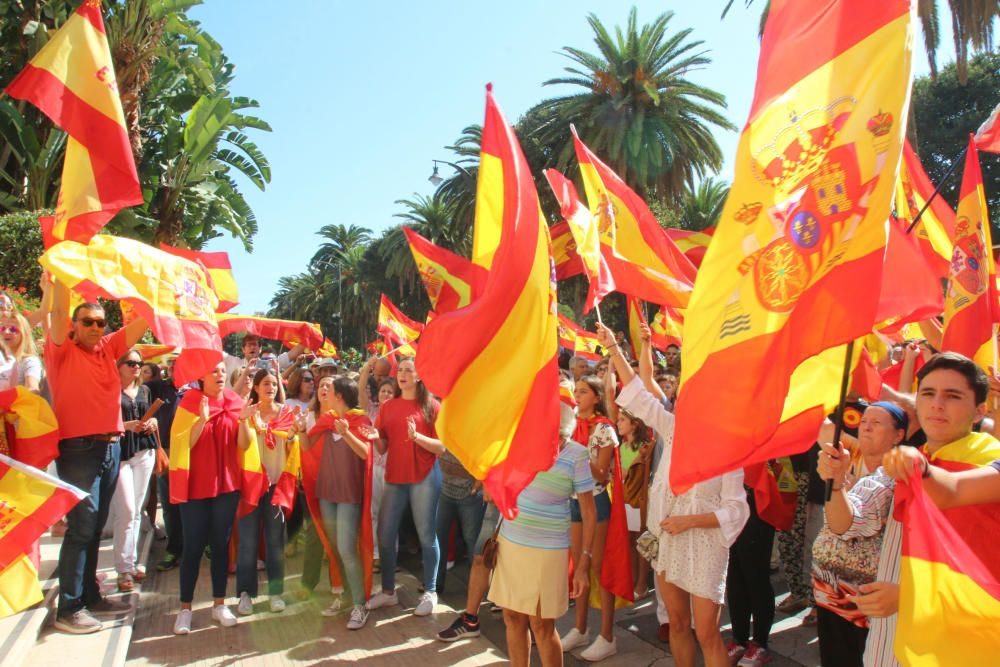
(85, 385)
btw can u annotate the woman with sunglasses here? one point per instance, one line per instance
(138, 458)
(19, 362)
(301, 389)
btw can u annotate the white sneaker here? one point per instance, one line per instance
(223, 616)
(426, 603)
(277, 604)
(245, 607)
(359, 616)
(182, 625)
(600, 649)
(382, 599)
(574, 639)
(336, 607)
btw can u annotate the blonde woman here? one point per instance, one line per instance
(19, 362)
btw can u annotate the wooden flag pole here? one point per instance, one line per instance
(839, 415)
(937, 190)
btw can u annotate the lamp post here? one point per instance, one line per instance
(436, 179)
(340, 300)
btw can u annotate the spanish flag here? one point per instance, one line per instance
(988, 135)
(583, 227)
(72, 81)
(636, 317)
(287, 331)
(150, 351)
(692, 244)
(284, 488)
(451, 281)
(949, 601)
(220, 274)
(35, 429)
(573, 337)
(397, 329)
(171, 293)
(568, 262)
(911, 290)
(935, 231)
(500, 351)
(971, 305)
(643, 260)
(787, 278)
(667, 328)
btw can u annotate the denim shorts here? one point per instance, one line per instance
(601, 500)
(489, 526)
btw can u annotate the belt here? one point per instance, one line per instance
(100, 437)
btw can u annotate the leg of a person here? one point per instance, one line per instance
(479, 576)
(518, 643)
(706, 628)
(348, 526)
(575, 550)
(678, 603)
(661, 607)
(171, 516)
(142, 471)
(791, 543)
(546, 640)
(596, 563)
(395, 499)
(79, 464)
(841, 643)
(106, 490)
(328, 511)
(196, 523)
(447, 512)
(378, 487)
(814, 523)
(470, 519)
(274, 545)
(312, 559)
(246, 549)
(125, 512)
(223, 512)
(738, 588)
(424, 501)
(761, 591)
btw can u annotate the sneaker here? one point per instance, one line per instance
(382, 599)
(182, 625)
(336, 607)
(425, 605)
(460, 629)
(755, 656)
(108, 605)
(80, 622)
(223, 616)
(735, 652)
(245, 607)
(600, 649)
(169, 562)
(495, 608)
(359, 616)
(277, 604)
(574, 639)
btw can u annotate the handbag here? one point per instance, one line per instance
(648, 546)
(491, 548)
(636, 482)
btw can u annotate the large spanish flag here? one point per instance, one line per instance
(949, 601)
(72, 81)
(971, 305)
(586, 236)
(788, 276)
(500, 351)
(220, 274)
(35, 429)
(692, 244)
(451, 280)
(568, 262)
(935, 230)
(287, 331)
(398, 330)
(171, 293)
(643, 260)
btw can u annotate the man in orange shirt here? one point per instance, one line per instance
(83, 376)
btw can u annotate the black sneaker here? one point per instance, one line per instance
(460, 629)
(169, 562)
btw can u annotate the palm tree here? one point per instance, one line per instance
(638, 110)
(341, 240)
(702, 206)
(435, 219)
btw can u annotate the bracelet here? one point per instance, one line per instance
(587, 553)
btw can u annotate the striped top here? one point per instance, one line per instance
(543, 506)
(882, 631)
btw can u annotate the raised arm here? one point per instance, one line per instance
(57, 296)
(646, 362)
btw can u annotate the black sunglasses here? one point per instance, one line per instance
(88, 322)
(132, 364)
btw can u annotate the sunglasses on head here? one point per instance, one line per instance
(132, 364)
(9, 329)
(89, 322)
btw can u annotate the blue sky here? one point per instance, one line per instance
(362, 97)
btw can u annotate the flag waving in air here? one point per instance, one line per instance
(72, 81)
(789, 274)
(988, 135)
(220, 273)
(573, 337)
(666, 328)
(692, 244)
(398, 330)
(451, 280)
(935, 231)
(287, 331)
(500, 350)
(636, 318)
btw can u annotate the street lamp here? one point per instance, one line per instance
(436, 179)
(340, 300)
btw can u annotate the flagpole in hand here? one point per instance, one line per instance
(839, 415)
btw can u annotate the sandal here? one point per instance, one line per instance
(125, 583)
(139, 574)
(809, 619)
(792, 605)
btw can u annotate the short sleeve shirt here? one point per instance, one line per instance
(602, 435)
(85, 385)
(406, 461)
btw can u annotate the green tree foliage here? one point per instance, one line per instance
(20, 246)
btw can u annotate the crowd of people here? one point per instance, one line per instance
(268, 454)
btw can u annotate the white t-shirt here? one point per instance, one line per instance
(29, 367)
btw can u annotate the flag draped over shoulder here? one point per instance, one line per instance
(287, 331)
(501, 349)
(72, 81)
(397, 329)
(220, 274)
(971, 305)
(171, 293)
(36, 431)
(692, 244)
(949, 601)
(935, 231)
(573, 337)
(788, 276)
(451, 281)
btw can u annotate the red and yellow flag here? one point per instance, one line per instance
(988, 135)
(171, 293)
(220, 274)
(501, 349)
(72, 81)
(667, 328)
(935, 231)
(398, 330)
(636, 317)
(286, 331)
(643, 260)
(949, 601)
(788, 275)
(573, 337)
(586, 236)
(911, 290)
(971, 305)
(692, 244)
(451, 281)
(568, 262)
(36, 431)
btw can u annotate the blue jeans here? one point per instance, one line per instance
(423, 498)
(469, 512)
(92, 466)
(273, 520)
(342, 523)
(207, 522)
(171, 516)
